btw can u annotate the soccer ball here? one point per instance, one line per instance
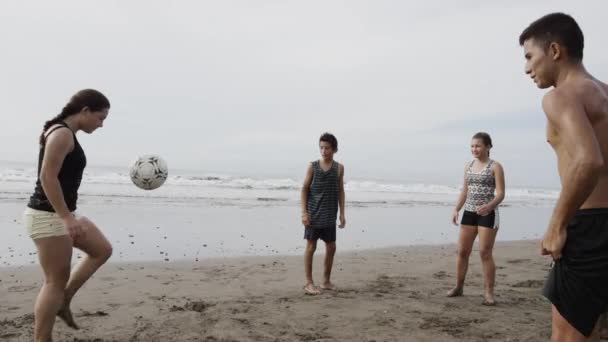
(149, 172)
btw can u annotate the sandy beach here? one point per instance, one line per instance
(389, 294)
(212, 260)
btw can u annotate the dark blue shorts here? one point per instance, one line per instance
(327, 234)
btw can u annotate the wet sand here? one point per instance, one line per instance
(385, 294)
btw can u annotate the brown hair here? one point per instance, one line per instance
(485, 138)
(90, 98)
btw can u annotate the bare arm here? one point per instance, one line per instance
(567, 116)
(463, 193)
(462, 198)
(59, 143)
(341, 195)
(304, 195)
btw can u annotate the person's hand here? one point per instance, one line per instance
(455, 217)
(306, 219)
(74, 227)
(553, 242)
(485, 210)
(342, 221)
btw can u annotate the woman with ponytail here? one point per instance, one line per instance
(482, 192)
(51, 218)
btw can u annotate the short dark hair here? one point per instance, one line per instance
(331, 139)
(560, 28)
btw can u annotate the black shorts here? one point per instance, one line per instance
(471, 218)
(578, 282)
(327, 234)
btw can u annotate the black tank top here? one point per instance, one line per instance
(323, 196)
(69, 176)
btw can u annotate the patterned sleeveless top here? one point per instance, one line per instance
(322, 202)
(481, 186)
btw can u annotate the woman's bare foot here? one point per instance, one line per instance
(489, 300)
(455, 292)
(66, 315)
(328, 286)
(311, 289)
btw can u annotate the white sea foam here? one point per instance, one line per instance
(217, 188)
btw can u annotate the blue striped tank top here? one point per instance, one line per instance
(323, 196)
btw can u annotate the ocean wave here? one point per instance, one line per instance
(207, 187)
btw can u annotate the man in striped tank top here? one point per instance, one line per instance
(322, 196)
(577, 129)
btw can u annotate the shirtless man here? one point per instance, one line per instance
(577, 129)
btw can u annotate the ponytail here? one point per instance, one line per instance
(90, 98)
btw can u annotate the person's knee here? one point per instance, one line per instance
(101, 254)
(311, 246)
(330, 247)
(485, 254)
(59, 278)
(464, 252)
(106, 252)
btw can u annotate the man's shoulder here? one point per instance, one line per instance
(570, 95)
(581, 93)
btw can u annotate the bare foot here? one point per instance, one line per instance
(66, 315)
(455, 292)
(311, 289)
(328, 286)
(489, 300)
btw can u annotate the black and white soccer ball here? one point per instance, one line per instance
(149, 172)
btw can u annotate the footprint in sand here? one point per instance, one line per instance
(92, 314)
(107, 278)
(18, 322)
(198, 306)
(530, 284)
(10, 335)
(517, 261)
(451, 326)
(23, 288)
(284, 300)
(416, 295)
(440, 275)
(449, 306)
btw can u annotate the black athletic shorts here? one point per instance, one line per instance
(578, 282)
(327, 234)
(471, 218)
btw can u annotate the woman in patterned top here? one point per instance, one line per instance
(482, 192)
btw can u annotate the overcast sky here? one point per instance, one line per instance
(247, 87)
